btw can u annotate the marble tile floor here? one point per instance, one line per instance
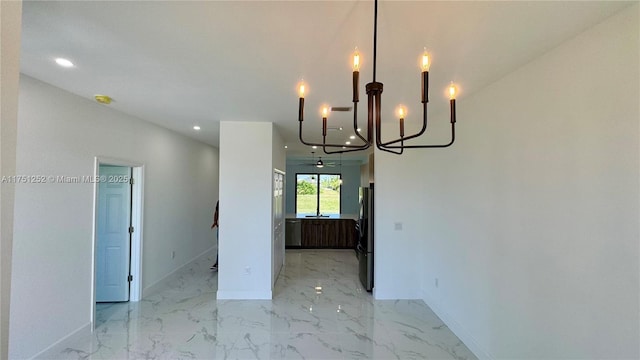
(319, 311)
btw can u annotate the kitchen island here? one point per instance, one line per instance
(321, 232)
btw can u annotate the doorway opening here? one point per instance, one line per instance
(117, 232)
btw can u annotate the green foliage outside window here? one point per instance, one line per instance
(309, 190)
(332, 183)
(306, 188)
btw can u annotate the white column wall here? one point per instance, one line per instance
(246, 176)
(397, 256)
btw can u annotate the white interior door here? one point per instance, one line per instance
(113, 237)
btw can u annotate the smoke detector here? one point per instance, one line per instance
(103, 99)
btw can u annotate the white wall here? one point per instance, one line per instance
(396, 253)
(531, 218)
(367, 171)
(10, 20)
(279, 154)
(60, 134)
(246, 176)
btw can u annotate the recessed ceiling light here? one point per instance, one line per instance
(348, 142)
(196, 127)
(314, 147)
(352, 137)
(286, 147)
(64, 62)
(359, 130)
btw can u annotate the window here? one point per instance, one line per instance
(318, 193)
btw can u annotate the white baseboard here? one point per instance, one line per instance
(394, 295)
(460, 331)
(76, 333)
(243, 295)
(159, 285)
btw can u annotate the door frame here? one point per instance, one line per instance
(137, 197)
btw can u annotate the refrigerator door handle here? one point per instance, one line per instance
(360, 248)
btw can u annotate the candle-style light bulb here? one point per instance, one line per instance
(301, 89)
(356, 75)
(325, 112)
(452, 102)
(402, 112)
(425, 64)
(356, 60)
(452, 91)
(426, 60)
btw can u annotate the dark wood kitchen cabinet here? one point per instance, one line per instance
(329, 233)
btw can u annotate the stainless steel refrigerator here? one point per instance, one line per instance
(364, 228)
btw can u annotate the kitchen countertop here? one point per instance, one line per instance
(326, 217)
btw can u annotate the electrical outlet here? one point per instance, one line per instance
(436, 282)
(173, 254)
(397, 226)
(247, 270)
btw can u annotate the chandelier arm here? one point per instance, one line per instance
(374, 110)
(300, 120)
(318, 144)
(391, 151)
(359, 147)
(353, 147)
(323, 144)
(387, 149)
(301, 109)
(452, 107)
(300, 136)
(355, 123)
(375, 103)
(345, 151)
(424, 128)
(453, 138)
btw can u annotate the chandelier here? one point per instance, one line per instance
(374, 98)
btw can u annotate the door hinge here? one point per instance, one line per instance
(131, 181)
(130, 229)
(130, 278)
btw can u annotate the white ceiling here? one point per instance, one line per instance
(178, 63)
